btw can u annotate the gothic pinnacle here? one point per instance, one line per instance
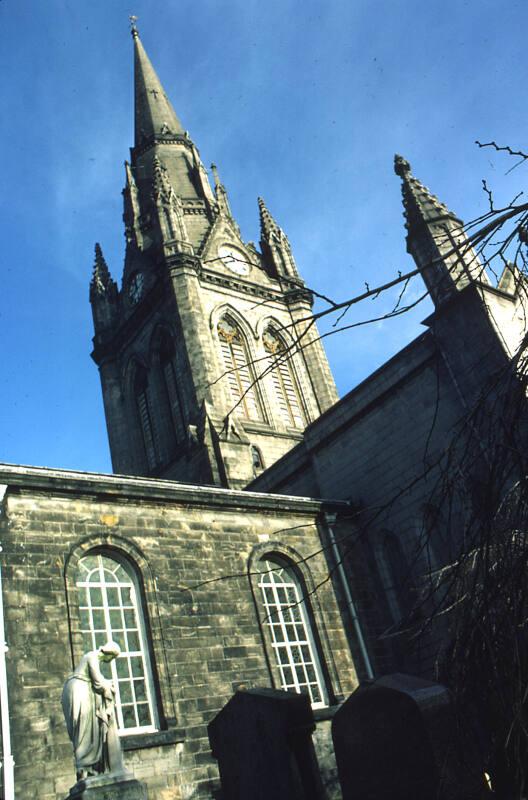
(421, 206)
(101, 278)
(268, 226)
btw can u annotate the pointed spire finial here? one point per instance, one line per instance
(216, 177)
(401, 166)
(133, 27)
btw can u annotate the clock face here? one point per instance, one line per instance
(135, 287)
(234, 259)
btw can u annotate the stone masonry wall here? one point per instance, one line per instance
(205, 634)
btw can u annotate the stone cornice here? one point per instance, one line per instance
(121, 487)
(245, 287)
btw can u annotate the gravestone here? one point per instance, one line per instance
(109, 786)
(397, 738)
(262, 739)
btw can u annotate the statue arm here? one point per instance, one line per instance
(100, 684)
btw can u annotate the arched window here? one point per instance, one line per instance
(288, 620)
(240, 375)
(173, 399)
(141, 392)
(279, 366)
(394, 574)
(110, 608)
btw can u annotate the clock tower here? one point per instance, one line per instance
(210, 364)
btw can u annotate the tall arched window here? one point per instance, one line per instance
(110, 609)
(173, 399)
(142, 397)
(287, 618)
(395, 577)
(240, 375)
(286, 388)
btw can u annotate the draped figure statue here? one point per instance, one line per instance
(88, 702)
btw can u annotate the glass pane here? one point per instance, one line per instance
(116, 620)
(126, 596)
(100, 639)
(121, 574)
(296, 655)
(98, 618)
(140, 689)
(119, 638)
(288, 676)
(137, 666)
(106, 670)
(133, 641)
(144, 714)
(278, 633)
(84, 619)
(130, 618)
(96, 596)
(129, 718)
(87, 564)
(113, 597)
(125, 691)
(122, 668)
(316, 694)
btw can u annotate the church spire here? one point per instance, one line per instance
(154, 114)
(436, 239)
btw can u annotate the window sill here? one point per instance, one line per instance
(140, 741)
(322, 714)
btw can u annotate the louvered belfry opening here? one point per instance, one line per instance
(171, 389)
(143, 401)
(285, 385)
(239, 372)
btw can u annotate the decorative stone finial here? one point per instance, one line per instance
(214, 170)
(401, 166)
(133, 27)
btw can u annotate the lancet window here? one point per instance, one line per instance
(239, 372)
(286, 387)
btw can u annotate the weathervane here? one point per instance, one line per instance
(133, 27)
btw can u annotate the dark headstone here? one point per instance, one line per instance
(262, 741)
(109, 786)
(397, 738)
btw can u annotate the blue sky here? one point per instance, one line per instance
(303, 102)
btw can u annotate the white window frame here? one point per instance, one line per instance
(93, 639)
(288, 622)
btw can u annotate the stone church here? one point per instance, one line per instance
(238, 475)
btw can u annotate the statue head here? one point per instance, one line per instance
(109, 651)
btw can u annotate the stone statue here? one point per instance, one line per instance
(88, 702)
